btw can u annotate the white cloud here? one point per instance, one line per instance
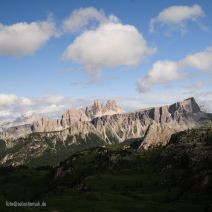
(200, 60)
(52, 109)
(24, 38)
(80, 18)
(162, 72)
(176, 16)
(206, 100)
(53, 99)
(4, 113)
(11, 99)
(108, 46)
(25, 101)
(166, 71)
(7, 99)
(11, 103)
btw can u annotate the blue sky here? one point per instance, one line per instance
(161, 66)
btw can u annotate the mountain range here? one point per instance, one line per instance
(26, 118)
(33, 140)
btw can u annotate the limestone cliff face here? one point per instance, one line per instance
(98, 109)
(158, 134)
(109, 121)
(173, 118)
(170, 119)
(71, 116)
(119, 127)
(68, 119)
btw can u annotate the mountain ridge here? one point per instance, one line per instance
(153, 126)
(174, 114)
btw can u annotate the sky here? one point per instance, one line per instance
(60, 54)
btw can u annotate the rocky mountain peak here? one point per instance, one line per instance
(191, 105)
(73, 115)
(112, 105)
(97, 106)
(98, 109)
(188, 105)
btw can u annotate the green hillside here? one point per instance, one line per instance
(177, 177)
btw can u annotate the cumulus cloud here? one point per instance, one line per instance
(7, 99)
(84, 18)
(162, 72)
(108, 46)
(81, 18)
(200, 60)
(24, 101)
(4, 113)
(13, 105)
(176, 16)
(9, 102)
(52, 109)
(24, 38)
(52, 99)
(206, 100)
(166, 71)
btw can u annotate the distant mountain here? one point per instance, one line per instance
(27, 118)
(35, 123)
(98, 109)
(97, 125)
(184, 115)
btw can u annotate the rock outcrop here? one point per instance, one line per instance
(157, 134)
(98, 109)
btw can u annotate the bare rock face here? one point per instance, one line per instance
(98, 109)
(73, 115)
(188, 105)
(111, 106)
(119, 127)
(113, 125)
(170, 119)
(158, 134)
(34, 123)
(179, 116)
(70, 117)
(46, 124)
